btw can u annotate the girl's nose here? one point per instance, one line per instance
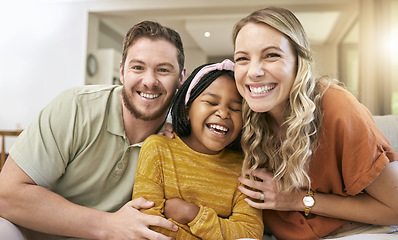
(222, 113)
(256, 70)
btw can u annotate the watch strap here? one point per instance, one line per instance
(308, 209)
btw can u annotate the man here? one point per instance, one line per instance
(71, 172)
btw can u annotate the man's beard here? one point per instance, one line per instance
(143, 115)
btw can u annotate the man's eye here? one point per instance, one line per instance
(163, 70)
(137, 67)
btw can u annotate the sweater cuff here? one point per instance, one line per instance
(200, 217)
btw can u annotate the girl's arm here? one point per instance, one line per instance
(180, 210)
(244, 222)
(377, 205)
(148, 182)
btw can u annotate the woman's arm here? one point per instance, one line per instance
(377, 205)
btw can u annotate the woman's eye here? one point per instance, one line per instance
(273, 55)
(239, 59)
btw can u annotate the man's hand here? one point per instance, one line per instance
(130, 223)
(180, 210)
(168, 131)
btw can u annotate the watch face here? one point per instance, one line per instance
(308, 201)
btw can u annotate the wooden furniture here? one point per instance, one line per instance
(3, 144)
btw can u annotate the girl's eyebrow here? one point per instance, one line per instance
(218, 97)
(211, 95)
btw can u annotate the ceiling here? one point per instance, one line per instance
(325, 21)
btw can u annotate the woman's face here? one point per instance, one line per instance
(265, 68)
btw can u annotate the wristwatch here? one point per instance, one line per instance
(309, 202)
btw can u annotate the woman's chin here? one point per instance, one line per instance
(258, 107)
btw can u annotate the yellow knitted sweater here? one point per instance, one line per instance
(168, 168)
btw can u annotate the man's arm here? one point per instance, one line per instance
(29, 205)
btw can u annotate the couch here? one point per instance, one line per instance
(388, 124)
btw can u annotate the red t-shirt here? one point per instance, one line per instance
(351, 153)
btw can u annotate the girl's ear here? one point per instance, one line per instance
(187, 112)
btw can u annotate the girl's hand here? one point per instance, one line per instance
(273, 199)
(180, 210)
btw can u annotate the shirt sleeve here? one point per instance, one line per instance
(148, 181)
(361, 149)
(42, 150)
(244, 222)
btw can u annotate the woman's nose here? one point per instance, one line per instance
(256, 70)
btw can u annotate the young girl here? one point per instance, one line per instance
(326, 170)
(192, 179)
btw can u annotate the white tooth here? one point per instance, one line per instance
(149, 96)
(218, 127)
(263, 89)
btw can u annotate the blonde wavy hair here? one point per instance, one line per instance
(286, 157)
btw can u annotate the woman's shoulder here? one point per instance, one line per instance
(339, 106)
(335, 95)
(338, 100)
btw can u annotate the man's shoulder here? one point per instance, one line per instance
(91, 91)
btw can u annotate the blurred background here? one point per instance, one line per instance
(47, 46)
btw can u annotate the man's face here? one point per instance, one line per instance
(150, 78)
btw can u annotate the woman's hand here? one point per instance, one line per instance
(180, 210)
(273, 199)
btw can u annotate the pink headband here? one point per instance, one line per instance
(224, 65)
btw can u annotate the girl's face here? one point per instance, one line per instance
(215, 116)
(265, 68)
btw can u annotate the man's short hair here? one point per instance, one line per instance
(154, 31)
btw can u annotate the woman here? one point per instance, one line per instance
(322, 167)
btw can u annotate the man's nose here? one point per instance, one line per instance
(149, 79)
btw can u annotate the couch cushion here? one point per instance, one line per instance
(388, 124)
